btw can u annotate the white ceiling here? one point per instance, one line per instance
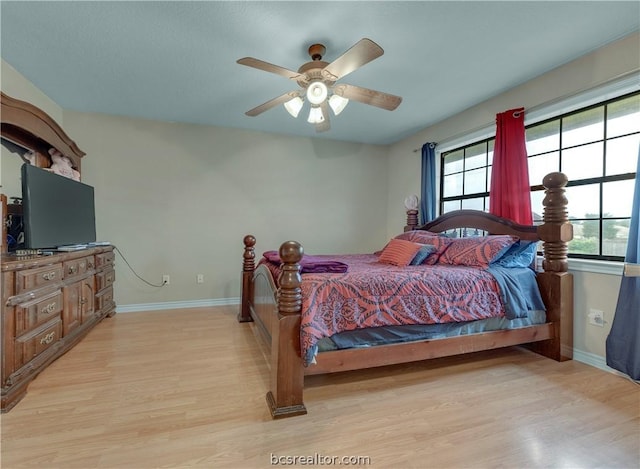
(176, 61)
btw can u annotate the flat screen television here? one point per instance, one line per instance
(57, 210)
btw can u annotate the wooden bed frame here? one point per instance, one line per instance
(276, 312)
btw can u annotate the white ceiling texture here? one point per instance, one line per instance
(176, 60)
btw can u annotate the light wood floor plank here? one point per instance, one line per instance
(187, 389)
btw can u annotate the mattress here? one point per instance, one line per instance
(381, 297)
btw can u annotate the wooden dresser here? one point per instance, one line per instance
(48, 304)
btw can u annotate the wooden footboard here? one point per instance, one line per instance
(277, 311)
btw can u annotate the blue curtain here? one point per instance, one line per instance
(428, 189)
(623, 343)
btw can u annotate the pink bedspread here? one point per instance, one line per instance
(373, 294)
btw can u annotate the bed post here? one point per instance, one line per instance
(412, 220)
(287, 373)
(556, 283)
(248, 266)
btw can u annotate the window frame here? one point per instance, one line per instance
(559, 116)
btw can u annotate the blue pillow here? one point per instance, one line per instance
(520, 254)
(423, 253)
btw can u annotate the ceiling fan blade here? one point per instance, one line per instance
(272, 103)
(367, 96)
(267, 67)
(324, 125)
(363, 52)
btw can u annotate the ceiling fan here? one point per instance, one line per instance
(317, 80)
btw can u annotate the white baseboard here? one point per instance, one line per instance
(177, 305)
(596, 361)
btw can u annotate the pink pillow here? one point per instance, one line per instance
(416, 235)
(428, 237)
(399, 252)
(476, 251)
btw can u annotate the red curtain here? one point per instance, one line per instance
(509, 192)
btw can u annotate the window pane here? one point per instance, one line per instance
(615, 235)
(585, 245)
(450, 206)
(475, 181)
(453, 162)
(622, 155)
(536, 206)
(452, 185)
(617, 198)
(540, 166)
(584, 201)
(583, 162)
(473, 204)
(475, 156)
(543, 138)
(623, 117)
(486, 204)
(584, 127)
(491, 145)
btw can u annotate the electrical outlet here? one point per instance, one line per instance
(166, 280)
(596, 317)
(200, 278)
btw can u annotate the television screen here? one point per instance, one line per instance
(57, 210)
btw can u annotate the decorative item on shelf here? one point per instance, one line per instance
(62, 165)
(30, 157)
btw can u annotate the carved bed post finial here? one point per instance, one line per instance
(556, 231)
(248, 266)
(411, 204)
(412, 220)
(290, 296)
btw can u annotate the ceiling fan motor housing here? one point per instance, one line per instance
(312, 71)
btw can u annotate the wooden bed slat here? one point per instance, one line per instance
(382, 355)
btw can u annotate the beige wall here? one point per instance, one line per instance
(592, 291)
(177, 199)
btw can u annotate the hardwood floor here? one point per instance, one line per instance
(187, 389)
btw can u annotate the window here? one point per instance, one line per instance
(596, 147)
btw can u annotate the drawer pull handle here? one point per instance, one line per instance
(47, 339)
(83, 300)
(49, 275)
(109, 279)
(90, 265)
(72, 269)
(50, 308)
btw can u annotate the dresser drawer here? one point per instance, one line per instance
(77, 267)
(105, 279)
(104, 299)
(36, 312)
(29, 346)
(104, 259)
(39, 277)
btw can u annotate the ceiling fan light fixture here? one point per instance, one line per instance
(338, 103)
(293, 106)
(317, 92)
(315, 116)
